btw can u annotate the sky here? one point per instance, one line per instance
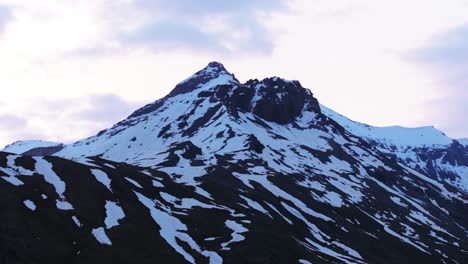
(70, 68)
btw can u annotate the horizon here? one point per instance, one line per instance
(71, 69)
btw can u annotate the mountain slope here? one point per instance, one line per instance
(220, 171)
(424, 149)
(245, 218)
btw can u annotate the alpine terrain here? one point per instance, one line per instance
(220, 171)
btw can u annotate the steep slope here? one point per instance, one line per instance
(133, 214)
(220, 171)
(424, 149)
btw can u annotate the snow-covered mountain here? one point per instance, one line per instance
(425, 149)
(397, 136)
(220, 171)
(23, 146)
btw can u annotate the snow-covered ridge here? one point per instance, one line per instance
(425, 149)
(22, 146)
(392, 135)
(463, 141)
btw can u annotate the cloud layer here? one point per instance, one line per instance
(63, 120)
(4, 16)
(446, 59)
(207, 26)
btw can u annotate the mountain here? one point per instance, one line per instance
(33, 147)
(220, 171)
(425, 149)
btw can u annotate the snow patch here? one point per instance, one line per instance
(102, 178)
(172, 229)
(113, 214)
(236, 235)
(101, 237)
(134, 182)
(30, 204)
(77, 222)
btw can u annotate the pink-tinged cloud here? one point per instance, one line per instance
(5, 16)
(64, 120)
(446, 60)
(10, 121)
(220, 27)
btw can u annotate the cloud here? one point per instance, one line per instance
(9, 121)
(208, 26)
(102, 27)
(13, 127)
(94, 110)
(450, 113)
(104, 108)
(63, 120)
(5, 16)
(446, 49)
(206, 7)
(446, 60)
(172, 35)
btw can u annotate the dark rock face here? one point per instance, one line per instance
(235, 97)
(272, 99)
(281, 101)
(203, 120)
(254, 144)
(43, 151)
(456, 154)
(452, 155)
(186, 150)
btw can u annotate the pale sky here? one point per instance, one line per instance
(69, 68)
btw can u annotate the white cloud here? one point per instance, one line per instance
(351, 53)
(64, 119)
(446, 59)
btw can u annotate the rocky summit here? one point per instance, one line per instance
(220, 171)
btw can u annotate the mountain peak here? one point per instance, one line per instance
(214, 69)
(215, 66)
(274, 99)
(214, 72)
